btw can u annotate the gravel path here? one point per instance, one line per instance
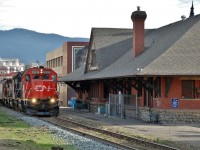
(64, 137)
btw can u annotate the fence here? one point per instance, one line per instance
(122, 106)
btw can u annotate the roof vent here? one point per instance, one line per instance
(183, 17)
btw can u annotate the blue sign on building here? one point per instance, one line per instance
(174, 102)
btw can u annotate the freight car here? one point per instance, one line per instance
(33, 91)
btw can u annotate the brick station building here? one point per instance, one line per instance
(161, 66)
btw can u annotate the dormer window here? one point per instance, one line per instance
(93, 64)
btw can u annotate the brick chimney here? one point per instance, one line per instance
(138, 17)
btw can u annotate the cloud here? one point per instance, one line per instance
(5, 5)
(186, 3)
(77, 17)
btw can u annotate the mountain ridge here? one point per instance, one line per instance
(31, 46)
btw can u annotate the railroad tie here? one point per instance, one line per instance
(56, 148)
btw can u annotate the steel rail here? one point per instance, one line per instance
(114, 144)
(143, 142)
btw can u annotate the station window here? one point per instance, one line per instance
(95, 90)
(188, 90)
(157, 87)
(61, 60)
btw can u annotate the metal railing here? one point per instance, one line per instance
(119, 105)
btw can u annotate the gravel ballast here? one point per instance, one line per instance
(64, 136)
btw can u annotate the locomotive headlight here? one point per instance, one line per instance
(34, 100)
(52, 100)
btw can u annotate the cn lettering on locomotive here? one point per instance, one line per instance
(41, 88)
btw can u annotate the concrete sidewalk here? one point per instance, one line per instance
(186, 137)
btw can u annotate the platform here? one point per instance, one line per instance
(185, 136)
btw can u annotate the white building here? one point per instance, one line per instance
(9, 65)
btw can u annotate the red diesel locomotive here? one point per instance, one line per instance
(33, 91)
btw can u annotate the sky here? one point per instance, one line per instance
(76, 18)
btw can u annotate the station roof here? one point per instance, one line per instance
(173, 49)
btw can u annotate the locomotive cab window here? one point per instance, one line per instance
(36, 77)
(45, 77)
(28, 78)
(53, 78)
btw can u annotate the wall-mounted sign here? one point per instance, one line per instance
(174, 102)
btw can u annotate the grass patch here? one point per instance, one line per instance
(7, 121)
(16, 134)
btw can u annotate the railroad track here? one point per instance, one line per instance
(111, 138)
